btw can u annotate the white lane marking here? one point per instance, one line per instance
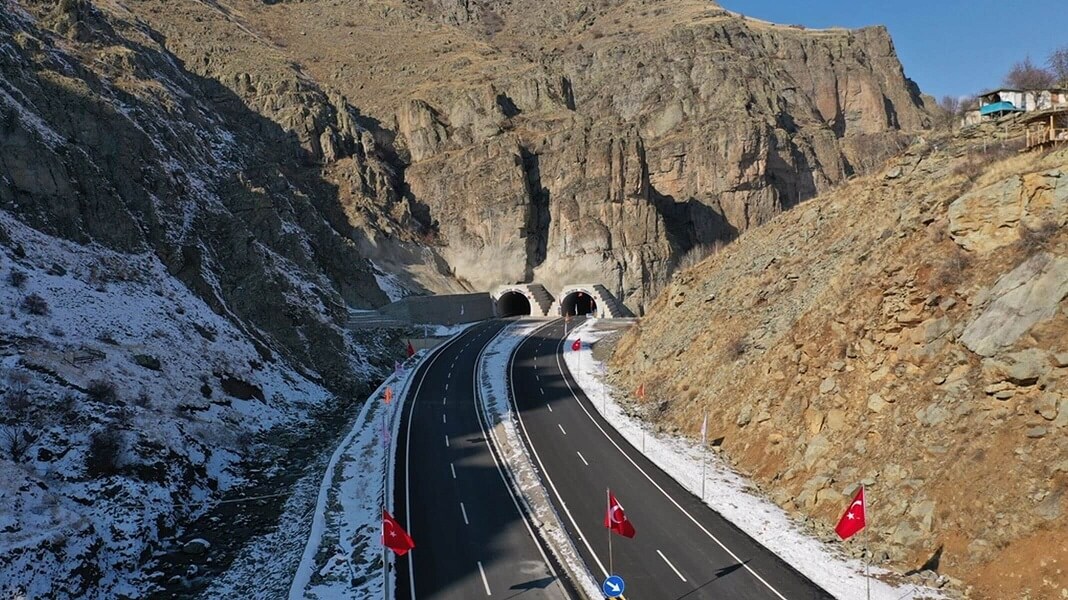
(561, 429)
(537, 377)
(446, 441)
(452, 467)
(436, 354)
(442, 417)
(485, 582)
(542, 391)
(552, 484)
(443, 400)
(560, 368)
(582, 458)
(550, 407)
(446, 386)
(671, 565)
(466, 522)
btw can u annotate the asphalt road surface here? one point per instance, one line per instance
(471, 538)
(682, 548)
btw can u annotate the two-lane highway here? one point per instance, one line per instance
(682, 549)
(471, 538)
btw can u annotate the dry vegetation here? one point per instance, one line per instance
(826, 348)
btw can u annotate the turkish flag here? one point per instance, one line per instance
(616, 520)
(394, 537)
(389, 395)
(854, 518)
(576, 345)
(411, 349)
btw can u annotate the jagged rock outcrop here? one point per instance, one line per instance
(713, 143)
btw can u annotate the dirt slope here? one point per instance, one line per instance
(908, 330)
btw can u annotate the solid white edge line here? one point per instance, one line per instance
(500, 468)
(671, 565)
(545, 474)
(466, 522)
(408, 454)
(583, 458)
(559, 365)
(485, 581)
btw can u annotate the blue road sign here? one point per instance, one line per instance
(613, 586)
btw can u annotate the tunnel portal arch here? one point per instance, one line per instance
(578, 302)
(513, 303)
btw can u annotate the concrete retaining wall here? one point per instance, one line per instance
(441, 310)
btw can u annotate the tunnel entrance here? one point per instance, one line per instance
(513, 304)
(578, 303)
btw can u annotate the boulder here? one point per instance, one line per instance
(1021, 368)
(196, 546)
(1030, 294)
(988, 218)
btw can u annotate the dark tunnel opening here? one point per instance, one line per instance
(513, 304)
(578, 303)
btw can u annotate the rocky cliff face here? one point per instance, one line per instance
(560, 142)
(906, 331)
(645, 134)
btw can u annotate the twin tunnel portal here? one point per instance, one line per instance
(574, 300)
(515, 304)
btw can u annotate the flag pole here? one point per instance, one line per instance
(385, 484)
(704, 453)
(608, 501)
(867, 549)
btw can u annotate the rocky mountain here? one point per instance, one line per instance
(905, 331)
(569, 141)
(194, 195)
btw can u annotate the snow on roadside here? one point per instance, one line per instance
(728, 492)
(496, 402)
(342, 558)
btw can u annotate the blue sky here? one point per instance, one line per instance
(948, 47)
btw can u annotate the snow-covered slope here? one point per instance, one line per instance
(123, 354)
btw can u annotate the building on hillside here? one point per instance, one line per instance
(1046, 128)
(999, 103)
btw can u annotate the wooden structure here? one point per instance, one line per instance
(1046, 129)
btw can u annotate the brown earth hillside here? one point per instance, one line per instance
(908, 330)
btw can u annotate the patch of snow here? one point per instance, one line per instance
(390, 284)
(343, 556)
(727, 492)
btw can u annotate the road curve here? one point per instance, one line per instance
(682, 549)
(471, 538)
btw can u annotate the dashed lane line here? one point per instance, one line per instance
(582, 458)
(485, 581)
(671, 565)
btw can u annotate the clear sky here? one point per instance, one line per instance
(948, 47)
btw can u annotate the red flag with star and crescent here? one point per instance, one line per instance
(854, 518)
(576, 345)
(394, 536)
(616, 520)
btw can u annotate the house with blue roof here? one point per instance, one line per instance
(999, 103)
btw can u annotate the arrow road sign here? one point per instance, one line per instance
(613, 586)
